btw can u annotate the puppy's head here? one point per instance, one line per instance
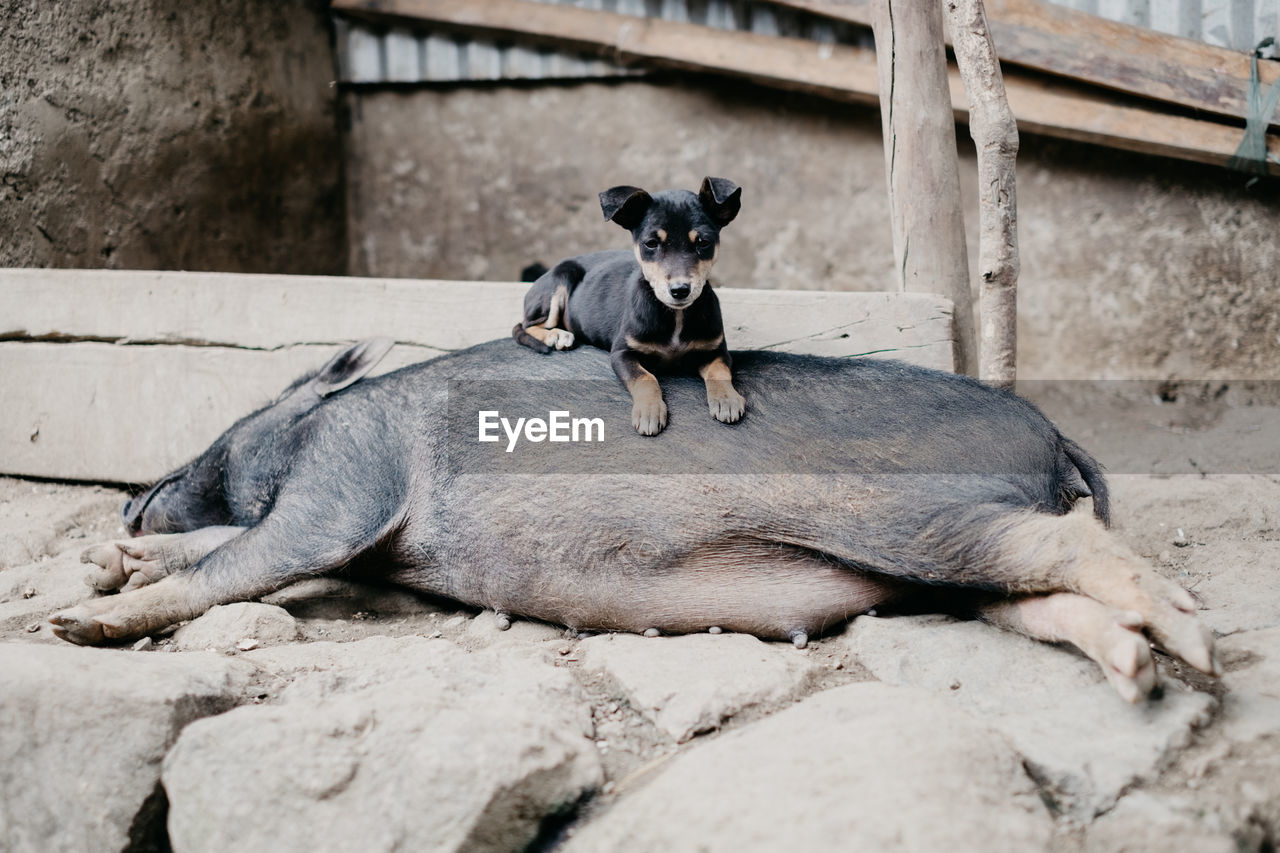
(675, 232)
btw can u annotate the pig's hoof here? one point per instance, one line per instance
(501, 620)
(1125, 657)
(650, 417)
(1169, 614)
(559, 338)
(130, 563)
(78, 625)
(127, 616)
(651, 632)
(799, 639)
(727, 407)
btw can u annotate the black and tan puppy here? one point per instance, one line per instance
(652, 308)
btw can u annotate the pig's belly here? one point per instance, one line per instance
(769, 591)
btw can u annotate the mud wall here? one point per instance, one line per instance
(163, 134)
(1132, 266)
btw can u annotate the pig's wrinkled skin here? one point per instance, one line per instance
(852, 481)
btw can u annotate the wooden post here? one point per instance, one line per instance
(995, 134)
(921, 162)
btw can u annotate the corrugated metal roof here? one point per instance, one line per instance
(1237, 24)
(369, 53)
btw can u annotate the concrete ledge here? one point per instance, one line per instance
(121, 376)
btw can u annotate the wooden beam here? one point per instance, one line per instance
(1062, 41)
(839, 72)
(121, 376)
(271, 312)
(921, 164)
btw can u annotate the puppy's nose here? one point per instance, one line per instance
(680, 291)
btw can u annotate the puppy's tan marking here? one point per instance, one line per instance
(559, 300)
(662, 235)
(693, 236)
(673, 350)
(723, 400)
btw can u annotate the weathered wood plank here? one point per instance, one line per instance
(840, 72)
(101, 381)
(269, 312)
(256, 311)
(94, 411)
(1069, 43)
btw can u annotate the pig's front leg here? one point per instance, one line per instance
(127, 564)
(258, 561)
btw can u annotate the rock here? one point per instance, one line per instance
(1080, 740)
(83, 732)
(1251, 707)
(692, 683)
(867, 766)
(385, 744)
(224, 627)
(1143, 821)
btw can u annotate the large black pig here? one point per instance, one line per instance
(849, 483)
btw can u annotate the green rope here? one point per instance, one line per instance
(1252, 155)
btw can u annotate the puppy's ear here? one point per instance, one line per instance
(721, 199)
(625, 205)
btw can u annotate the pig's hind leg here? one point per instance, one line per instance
(1112, 638)
(1028, 552)
(127, 564)
(260, 560)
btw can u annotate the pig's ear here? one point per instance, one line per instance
(721, 199)
(625, 205)
(350, 365)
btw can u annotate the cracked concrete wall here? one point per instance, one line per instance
(169, 135)
(1132, 267)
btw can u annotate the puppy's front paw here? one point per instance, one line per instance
(559, 338)
(726, 404)
(649, 416)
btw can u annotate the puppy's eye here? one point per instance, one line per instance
(652, 243)
(703, 244)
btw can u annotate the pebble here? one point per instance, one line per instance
(1180, 541)
(714, 629)
(143, 645)
(651, 632)
(29, 592)
(247, 644)
(33, 627)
